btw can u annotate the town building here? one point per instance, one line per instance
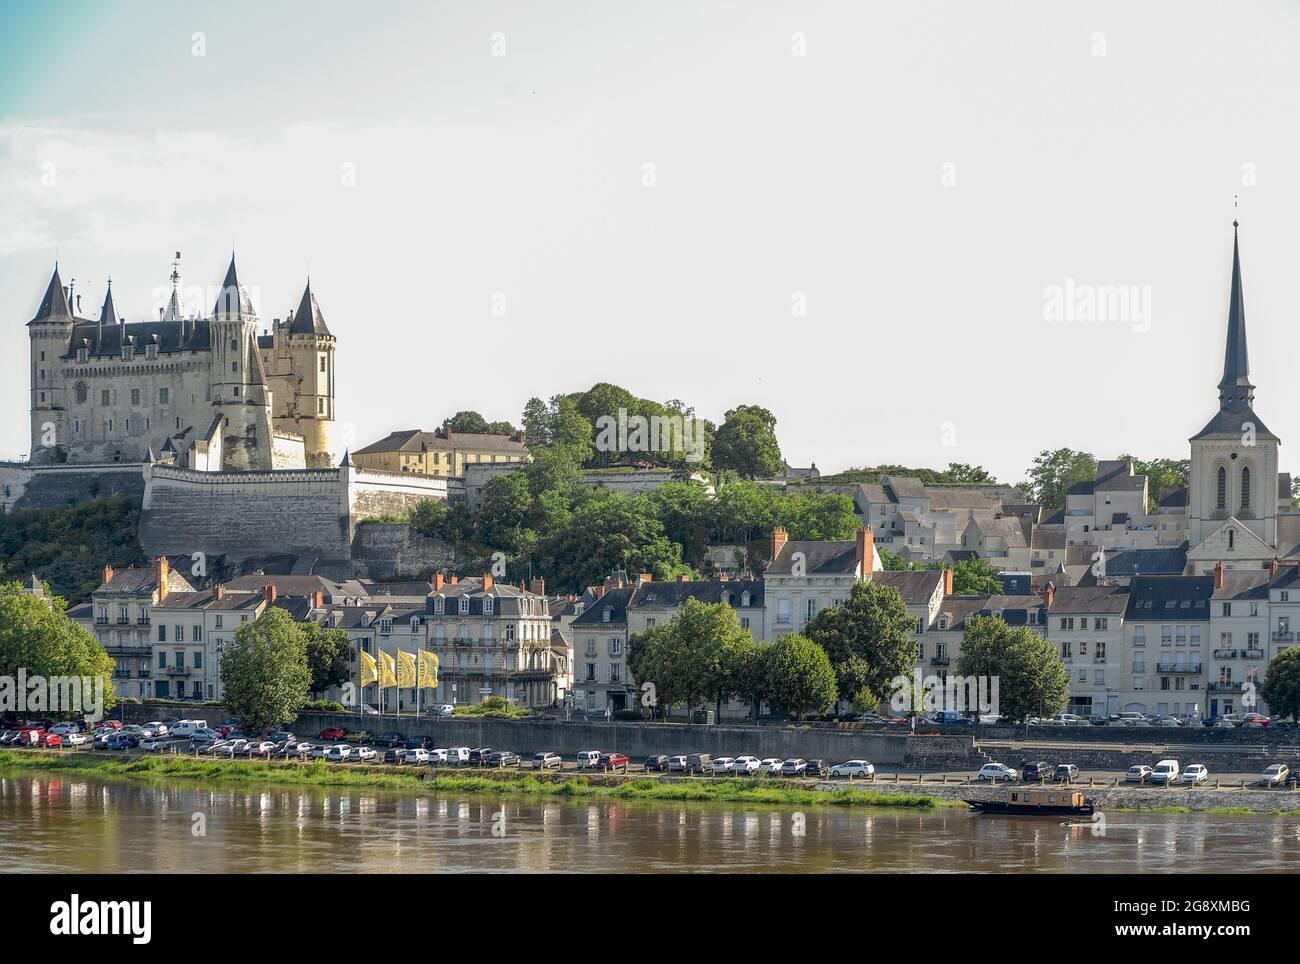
(443, 452)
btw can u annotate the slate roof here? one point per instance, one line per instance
(54, 304)
(308, 320)
(415, 440)
(1103, 600)
(821, 558)
(1174, 498)
(1169, 598)
(169, 336)
(916, 586)
(1244, 584)
(615, 600)
(960, 608)
(671, 595)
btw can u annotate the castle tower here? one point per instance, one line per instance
(309, 411)
(240, 394)
(1234, 468)
(49, 333)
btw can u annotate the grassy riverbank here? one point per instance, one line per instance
(320, 774)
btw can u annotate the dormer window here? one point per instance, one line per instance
(605, 615)
(439, 605)
(83, 355)
(464, 604)
(744, 598)
(488, 603)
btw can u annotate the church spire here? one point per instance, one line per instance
(1235, 385)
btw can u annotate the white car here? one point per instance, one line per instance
(417, 755)
(1275, 775)
(154, 744)
(1166, 772)
(365, 753)
(63, 729)
(745, 766)
(75, 739)
(722, 765)
(320, 752)
(446, 709)
(853, 768)
(997, 771)
(1137, 774)
(233, 747)
(541, 761)
(157, 728)
(770, 765)
(338, 753)
(793, 767)
(365, 709)
(260, 748)
(300, 749)
(1196, 773)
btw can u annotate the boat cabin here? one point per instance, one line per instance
(1044, 798)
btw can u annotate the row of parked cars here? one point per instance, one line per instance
(1226, 721)
(752, 766)
(1164, 773)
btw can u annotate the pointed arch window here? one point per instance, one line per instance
(1221, 499)
(1245, 487)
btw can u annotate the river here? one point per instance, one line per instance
(80, 824)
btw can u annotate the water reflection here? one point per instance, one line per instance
(82, 824)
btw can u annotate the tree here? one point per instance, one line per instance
(749, 673)
(746, 443)
(328, 657)
(869, 641)
(969, 474)
(1281, 686)
(976, 577)
(691, 657)
(473, 423)
(41, 640)
(1053, 472)
(1162, 474)
(264, 671)
(612, 532)
(797, 676)
(1031, 678)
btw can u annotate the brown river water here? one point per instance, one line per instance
(60, 823)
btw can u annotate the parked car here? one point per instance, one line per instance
(320, 751)
(1036, 770)
(588, 759)
(364, 754)
(996, 771)
(418, 743)
(338, 753)
(280, 736)
(417, 755)
(745, 766)
(156, 728)
(479, 755)
(260, 748)
(816, 768)
(389, 739)
(75, 739)
(722, 765)
(123, 741)
(51, 739)
(656, 763)
(1066, 773)
(358, 736)
(793, 767)
(63, 729)
(446, 709)
(437, 756)
(614, 761)
(1166, 772)
(699, 763)
(331, 733)
(677, 764)
(504, 758)
(1257, 718)
(852, 768)
(153, 745)
(1168, 721)
(458, 755)
(1194, 774)
(1275, 775)
(547, 761)
(396, 754)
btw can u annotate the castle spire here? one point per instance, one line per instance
(308, 320)
(233, 300)
(107, 314)
(1235, 385)
(55, 302)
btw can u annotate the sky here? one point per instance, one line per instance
(884, 222)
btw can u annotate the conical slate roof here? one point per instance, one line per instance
(107, 314)
(55, 302)
(233, 300)
(308, 320)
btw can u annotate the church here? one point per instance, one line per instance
(206, 393)
(1238, 503)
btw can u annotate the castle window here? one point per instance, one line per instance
(236, 391)
(322, 363)
(135, 396)
(104, 398)
(164, 396)
(80, 392)
(234, 366)
(1221, 499)
(1245, 487)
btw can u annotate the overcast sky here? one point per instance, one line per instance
(651, 192)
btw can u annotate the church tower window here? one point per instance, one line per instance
(1221, 500)
(1232, 538)
(1245, 487)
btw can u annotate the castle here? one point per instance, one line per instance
(208, 394)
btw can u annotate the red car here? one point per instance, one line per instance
(51, 739)
(333, 733)
(115, 724)
(1259, 718)
(613, 761)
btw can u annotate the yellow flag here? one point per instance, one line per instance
(428, 675)
(405, 669)
(369, 671)
(386, 677)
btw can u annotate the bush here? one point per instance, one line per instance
(325, 706)
(496, 707)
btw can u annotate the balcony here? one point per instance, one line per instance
(1178, 668)
(1225, 654)
(1283, 637)
(940, 661)
(177, 671)
(1219, 686)
(114, 650)
(1252, 653)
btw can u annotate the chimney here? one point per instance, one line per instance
(1218, 574)
(454, 579)
(538, 587)
(268, 592)
(1048, 594)
(598, 590)
(519, 437)
(683, 578)
(437, 581)
(446, 431)
(569, 598)
(720, 575)
(487, 581)
(866, 553)
(1272, 569)
(947, 582)
(779, 537)
(317, 600)
(219, 592)
(162, 570)
(108, 574)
